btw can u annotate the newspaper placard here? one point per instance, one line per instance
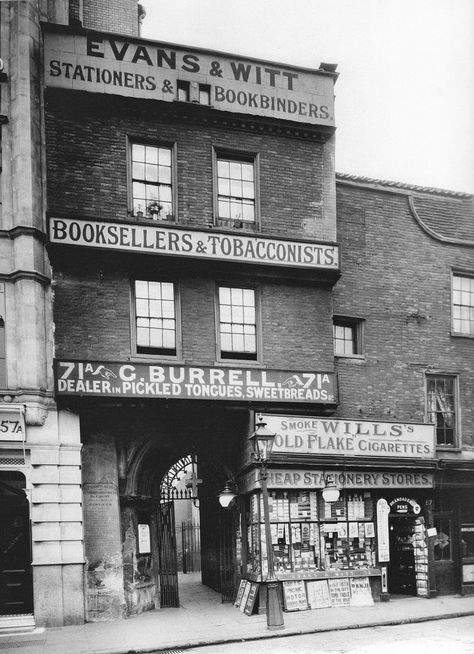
(252, 596)
(361, 595)
(294, 595)
(240, 593)
(340, 592)
(318, 594)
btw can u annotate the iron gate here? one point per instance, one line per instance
(169, 596)
(191, 544)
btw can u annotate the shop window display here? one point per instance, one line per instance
(310, 535)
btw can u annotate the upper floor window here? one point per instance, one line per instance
(463, 305)
(441, 407)
(236, 191)
(152, 186)
(347, 334)
(237, 323)
(155, 318)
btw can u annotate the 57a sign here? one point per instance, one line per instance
(12, 424)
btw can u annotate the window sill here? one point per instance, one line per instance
(156, 358)
(448, 448)
(461, 335)
(239, 363)
(351, 357)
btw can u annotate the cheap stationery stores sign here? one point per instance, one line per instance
(306, 435)
(192, 382)
(172, 241)
(105, 63)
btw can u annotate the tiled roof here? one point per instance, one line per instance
(445, 215)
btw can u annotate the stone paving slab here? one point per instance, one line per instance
(167, 629)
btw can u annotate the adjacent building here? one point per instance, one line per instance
(193, 262)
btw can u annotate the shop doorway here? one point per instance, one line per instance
(16, 587)
(401, 569)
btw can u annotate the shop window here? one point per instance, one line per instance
(237, 323)
(236, 191)
(467, 541)
(442, 543)
(151, 181)
(347, 334)
(155, 318)
(441, 408)
(309, 534)
(463, 305)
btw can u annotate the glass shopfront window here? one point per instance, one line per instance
(309, 534)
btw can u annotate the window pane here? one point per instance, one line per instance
(151, 155)
(164, 156)
(224, 295)
(138, 152)
(223, 168)
(247, 171)
(235, 170)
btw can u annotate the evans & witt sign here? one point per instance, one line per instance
(191, 382)
(105, 63)
(170, 241)
(306, 435)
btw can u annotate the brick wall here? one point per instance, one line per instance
(87, 164)
(92, 316)
(391, 271)
(119, 16)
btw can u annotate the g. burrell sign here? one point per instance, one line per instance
(105, 63)
(153, 239)
(307, 435)
(191, 382)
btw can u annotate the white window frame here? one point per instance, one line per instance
(456, 444)
(464, 275)
(357, 327)
(156, 353)
(161, 216)
(239, 157)
(239, 357)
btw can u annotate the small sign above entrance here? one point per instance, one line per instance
(404, 506)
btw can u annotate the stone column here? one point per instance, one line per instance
(103, 543)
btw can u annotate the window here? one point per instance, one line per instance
(155, 316)
(347, 334)
(442, 541)
(236, 191)
(463, 305)
(442, 407)
(152, 191)
(237, 323)
(183, 91)
(204, 94)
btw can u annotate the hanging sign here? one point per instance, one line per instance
(404, 506)
(12, 423)
(138, 68)
(327, 436)
(383, 541)
(192, 382)
(192, 243)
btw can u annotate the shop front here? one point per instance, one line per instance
(369, 543)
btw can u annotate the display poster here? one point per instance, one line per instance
(252, 596)
(361, 595)
(294, 595)
(144, 546)
(245, 594)
(340, 592)
(468, 573)
(305, 435)
(318, 594)
(240, 593)
(383, 542)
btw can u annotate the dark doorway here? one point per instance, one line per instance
(401, 569)
(16, 588)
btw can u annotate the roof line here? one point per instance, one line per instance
(397, 187)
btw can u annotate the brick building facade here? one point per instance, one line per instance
(209, 266)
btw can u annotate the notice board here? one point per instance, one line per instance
(340, 592)
(361, 595)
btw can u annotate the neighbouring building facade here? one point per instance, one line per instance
(180, 259)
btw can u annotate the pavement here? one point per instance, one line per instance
(202, 619)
